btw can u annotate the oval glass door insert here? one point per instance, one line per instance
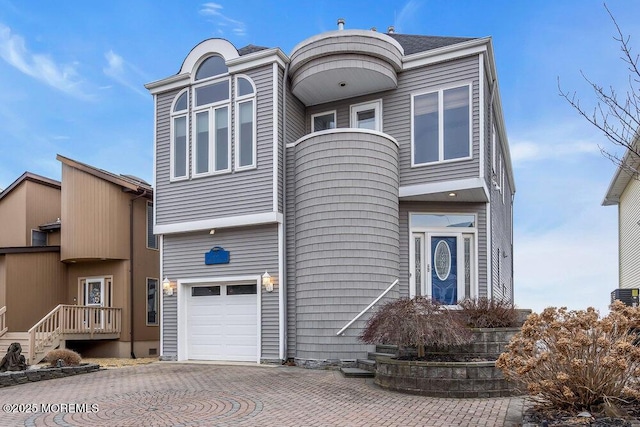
(442, 260)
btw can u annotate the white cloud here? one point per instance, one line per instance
(14, 51)
(407, 14)
(526, 151)
(214, 12)
(122, 72)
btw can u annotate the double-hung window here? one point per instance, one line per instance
(179, 148)
(245, 126)
(441, 125)
(211, 151)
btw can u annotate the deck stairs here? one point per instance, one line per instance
(366, 368)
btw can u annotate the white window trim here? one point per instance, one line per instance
(440, 93)
(493, 149)
(325, 113)
(462, 231)
(212, 81)
(236, 143)
(211, 160)
(210, 78)
(369, 105)
(158, 297)
(173, 116)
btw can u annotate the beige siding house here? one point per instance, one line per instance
(79, 264)
(624, 191)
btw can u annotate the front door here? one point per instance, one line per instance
(94, 296)
(444, 269)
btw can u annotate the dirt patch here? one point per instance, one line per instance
(114, 362)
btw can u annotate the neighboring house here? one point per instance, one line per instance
(79, 264)
(361, 163)
(624, 191)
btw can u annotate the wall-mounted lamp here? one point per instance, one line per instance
(212, 231)
(266, 282)
(167, 287)
(452, 194)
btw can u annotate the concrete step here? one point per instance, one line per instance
(372, 355)
(356, 373)
(367, 364)
(386, 348)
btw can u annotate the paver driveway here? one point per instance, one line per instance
(185, 394)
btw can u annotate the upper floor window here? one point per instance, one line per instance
(38, 238)
(441, 128)
(245, 142)
(211, 152)
(152, 239)
(323, 121)
(152, 302)
(210, 67)
(179, 113)
(367, 115)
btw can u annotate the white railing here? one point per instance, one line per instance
(72, 319)
(3, 322)
(341, 331)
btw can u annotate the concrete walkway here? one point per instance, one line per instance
(186, 394)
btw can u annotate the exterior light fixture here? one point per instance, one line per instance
(166, 287)
(266, 282)
(212, 231)
(452, 194)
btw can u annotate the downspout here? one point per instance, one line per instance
(283, 274)
(493, 91)
(131, 329)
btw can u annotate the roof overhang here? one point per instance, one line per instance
(471, 190)
(28, 176)
(28, 249)
(623, 175)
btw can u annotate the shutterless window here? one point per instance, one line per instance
(367, 116)
(38, 238)
(205, 291)
(152, 302)
(179, 136)
(441, 125)
(443, 220)
(242, 289)
(245, 150)
(152, 239)
(323, 121)
(210, 67)
(212, 142)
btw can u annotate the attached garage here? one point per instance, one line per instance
(222, 321)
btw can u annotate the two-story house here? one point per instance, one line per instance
(360, 168)
(79, 264)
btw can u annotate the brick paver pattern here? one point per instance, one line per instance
(179, 394)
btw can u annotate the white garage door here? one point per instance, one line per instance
(222, 322)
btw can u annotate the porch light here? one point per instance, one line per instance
(266, 282)
(166, 287)
(452, 194)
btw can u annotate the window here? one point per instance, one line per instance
(205, 291)
(211, 152)
(441, 127)
(210, 67)
(367, 116)
(152, 302)
(245, 143)
(38, 238)
(323, 121)
(179, 136)
(152, 239)
(443, 220)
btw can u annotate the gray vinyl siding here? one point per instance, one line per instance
(439, 207)
(346, 231)
(629, 235)
(169, 327)
(280, 142)
(501, 244)
(295, 130)
(229, 194)
(396, 117)
(252, 251)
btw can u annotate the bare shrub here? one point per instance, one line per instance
(576, 360)
(417, 322)
(68, 357)
(488, 313)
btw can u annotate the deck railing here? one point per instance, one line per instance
(72, 319)
(3, 322)
(341, 331)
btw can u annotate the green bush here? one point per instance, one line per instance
(575, 360)
(68, 357)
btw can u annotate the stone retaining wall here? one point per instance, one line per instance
(11, 378)
(443, 379)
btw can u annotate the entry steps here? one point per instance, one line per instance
(366, 368)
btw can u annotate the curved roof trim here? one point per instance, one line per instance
(339, 33)
(220, 46)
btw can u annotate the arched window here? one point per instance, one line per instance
(245, 142)
(179, 147)
(210, 67)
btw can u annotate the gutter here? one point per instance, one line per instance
(283, 273)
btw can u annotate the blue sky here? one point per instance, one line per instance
(72, 76)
